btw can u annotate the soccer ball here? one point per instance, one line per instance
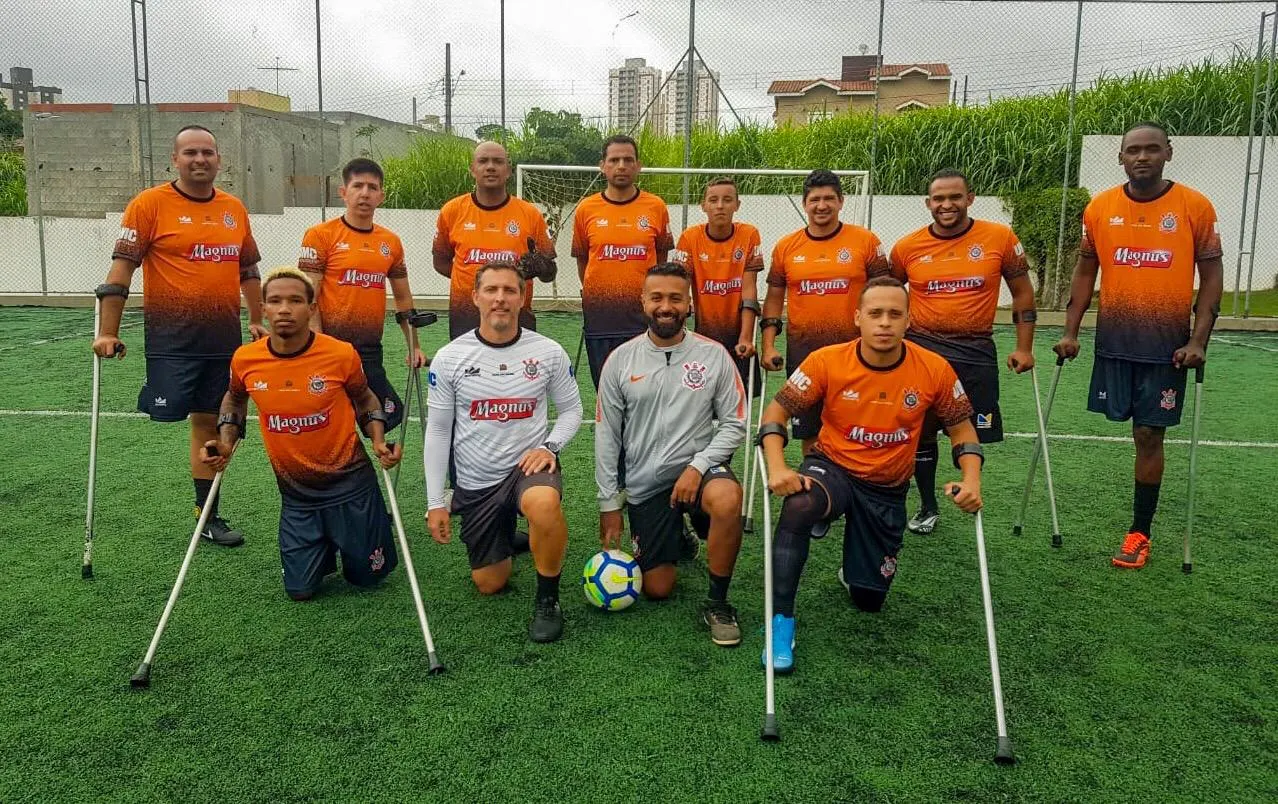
(611, 580)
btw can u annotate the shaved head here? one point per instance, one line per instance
(489, 149)
(490, 168)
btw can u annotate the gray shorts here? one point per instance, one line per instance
(488, 515)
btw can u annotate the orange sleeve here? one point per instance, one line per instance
(1087, 246)
(249, 254)
(665, 240)
(356, 383)
(136, 229)
(237, 387)
(805, 388)
(1206, 232)
(398, 269)
(898, 260)
(442, 247)
(950, 402)
(580, 240)
(314, 253)
(776, 276)
(877, 264)
(1014, 264)
(685, 247)
(754, 250)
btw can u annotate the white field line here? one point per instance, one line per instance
(116, 414)
(130, 321)
(1231, 342)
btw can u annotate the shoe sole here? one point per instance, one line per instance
(1127, 564)
(547, 640)
(723, 643)
(921, 530)
(221, 544)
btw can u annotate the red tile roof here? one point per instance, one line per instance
(934, 69)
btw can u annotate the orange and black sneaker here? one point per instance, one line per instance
(1134, 552)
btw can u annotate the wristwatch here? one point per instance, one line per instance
(553, 447)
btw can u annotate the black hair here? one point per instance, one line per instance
(883, 281)
(499, 265)
(822, 178)
(361, 165)
(193, 127)
(1149, 124)
(619, 139)
(948, 173)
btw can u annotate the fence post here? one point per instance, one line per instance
(874, 125)
(689, 105)
(1054, 276)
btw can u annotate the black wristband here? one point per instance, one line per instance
(405, 315)
(1026, 317)
(368, 417)
(772, 428)
(771, 322)
(111, 289)
(231, 419)
(751, 304)
(968, 448)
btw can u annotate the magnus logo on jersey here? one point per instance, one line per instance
(721, 287)
(479, 256)
(1143, 257)
(965, 284)
(503, 410)
(838, 286)
(623, 253)
(878, 438)
(363, 279)
(205, 253)
(292, 425)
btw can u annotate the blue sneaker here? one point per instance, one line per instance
(782, 645)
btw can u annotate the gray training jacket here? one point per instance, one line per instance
(660, 405)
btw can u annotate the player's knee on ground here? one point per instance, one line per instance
(722, 499)
(870, 600)
(1149, 440)
(659, 581)
(540, 506)
(491, 579)
(801, 511)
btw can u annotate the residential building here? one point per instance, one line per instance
(632, 89)
(705, 99)
(20, 91)
(901, 87)
(260, 98)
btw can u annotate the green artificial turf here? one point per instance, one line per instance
(1120, 686)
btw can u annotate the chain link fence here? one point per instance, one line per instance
(1029, 98)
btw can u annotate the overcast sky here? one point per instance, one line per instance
(378, 54)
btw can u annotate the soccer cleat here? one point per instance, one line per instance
(721, 618)
(1134, 552)
(782, 645)
(219, 532)
(820, 529)
(924, 522)
(548, 621)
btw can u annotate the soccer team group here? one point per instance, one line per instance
(883, 351)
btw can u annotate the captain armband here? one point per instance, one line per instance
(367, 417)
(1024, 317)
(967, 448)
(771, 322)
(772, 428)
(111, 289)
(751, 304)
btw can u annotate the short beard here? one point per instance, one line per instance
(666, 329)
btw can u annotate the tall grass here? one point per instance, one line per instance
(1008, 146)
(13, 184)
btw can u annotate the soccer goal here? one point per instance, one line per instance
(771, 199)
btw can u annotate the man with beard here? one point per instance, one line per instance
(1145, 237)
(659, 396)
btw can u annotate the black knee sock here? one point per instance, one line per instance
(719, 587)
(202, 489)
(925, 474)
(789, 554)
(547, 587)
(1144, 504)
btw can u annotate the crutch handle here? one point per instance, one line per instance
(213, 453)
(1198, 374)
(1060, 361)
(119, 347)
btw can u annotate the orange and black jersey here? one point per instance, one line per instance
(1147, 251)
(719, 270)
(355, 265)
(620, 240)
(954, 286)
(871, 418)
(194, 253)
(823, 278)
(307, 418)
(471, 235)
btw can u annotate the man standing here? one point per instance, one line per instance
(617, 236)
(1145, 237)
(494, 383)
(659, 397)
(310, 390)
(350, 259)
(489, 225)
(874, 393)
(953, 267)
(821, 269)
(725, 258)
(198, 256)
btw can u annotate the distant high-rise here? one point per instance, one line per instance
(632, 88)
(20, 90)
(705, 99)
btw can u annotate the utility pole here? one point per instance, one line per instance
(503, 70)
(448, 88)
(414, 120)
(965, 92)
(277, 69)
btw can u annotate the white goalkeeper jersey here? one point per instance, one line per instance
(491, 401)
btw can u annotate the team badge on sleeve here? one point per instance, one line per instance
(958, 392)
(694, 376)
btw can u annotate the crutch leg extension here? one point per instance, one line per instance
(1040, 447)
(747, 512)
(416, 319)
(753, 476)
(436, 666)
(770, 731)
(1188, 565)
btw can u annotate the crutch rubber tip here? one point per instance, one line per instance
(1187, 567)
(1016, 530)
(1004, 754)
(86, 571)
(770, 733)
(142, 678)
(436, 666)
(747, 524)
(1056, 540)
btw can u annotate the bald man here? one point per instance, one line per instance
(489, 225)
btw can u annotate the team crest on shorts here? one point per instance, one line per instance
(643, 222)
(976, 252)
(512, 228)
(531, 368)
(910, 400)
(1169, 399)
(389, 406)
(316, 384)
(1167, 225)
(694, 376)
(844, 256)
(377, 560)
(384, 249)
(888, 568)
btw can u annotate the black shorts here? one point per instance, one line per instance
(809, 424)
(744, 366)
(176, 387)
(359, 529)
(874, 524)
(1150, 394)
(381, 385)
(981, 384)
(488, 515)
(597, 350)
(657, 529)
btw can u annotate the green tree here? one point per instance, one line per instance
(10, 123)
(492, 132)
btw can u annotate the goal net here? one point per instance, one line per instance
(771, 200)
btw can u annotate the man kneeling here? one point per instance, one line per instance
(875, 391)
(659, 396)
(310, 390)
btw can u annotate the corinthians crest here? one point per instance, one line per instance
(694, 376)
